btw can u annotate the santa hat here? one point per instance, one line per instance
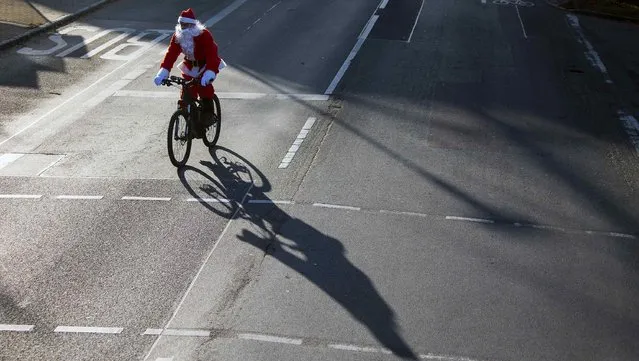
(187, 16)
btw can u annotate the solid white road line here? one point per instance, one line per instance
(336, 206)
(131, 198)
(22, 196)
(78, 197)
(383, 4)
(197, 275)
(8, 158)
(415, 24)
(288, 158)
(477, 220)
(523, 28)
(358, 45)
(268, 338)
(80, 329)
(16, 328)
(224, 13)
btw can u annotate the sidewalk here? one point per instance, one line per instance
(20, 19)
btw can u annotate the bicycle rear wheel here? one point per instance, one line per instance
(212, 132)
(178, 139)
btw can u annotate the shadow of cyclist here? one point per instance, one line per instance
(318, 257)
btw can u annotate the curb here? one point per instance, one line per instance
(54, 24)
(596, 14)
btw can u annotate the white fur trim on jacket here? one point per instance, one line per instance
(186, 20)
(194, 72)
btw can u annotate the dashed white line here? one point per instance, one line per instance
(268, 338)
(631, 125)
(16, 328)
(209, 200)
(355, 348)
(21, 196)
(431, 356)
(177, 332)
(78, 197)
(336, 206)
(288, 158)
(468, 219)
(133, 198)
(383, 4)
(591, 53)
(268, 201)
(81, 329)
(403, 213)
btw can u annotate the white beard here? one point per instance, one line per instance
(185, 38)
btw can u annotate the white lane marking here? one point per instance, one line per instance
(221, 95)
(78, 197)
(383, 4)
(360, 41)
(22, 196)
(288, 158)
(468, 219)
(415, 23)
(16, 328)
(402, 213)
(81, 329)
(8, 158)
(631, 126)
(224, 13)
(591, 53)
(60, 157)
(268, 338)
(152, 331)
(336, 206)
(182, 332)
(268, 201)
(132, 198)
(355, 348)
(431, 356)
(523, 28)
(209, 200)
(197, 275)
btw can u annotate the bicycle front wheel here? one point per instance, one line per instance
(212, 132)
(178, 139)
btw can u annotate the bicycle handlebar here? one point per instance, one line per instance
(179, 81)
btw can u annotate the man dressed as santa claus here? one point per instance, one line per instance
(201, 61)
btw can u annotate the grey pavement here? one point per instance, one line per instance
(468, 192)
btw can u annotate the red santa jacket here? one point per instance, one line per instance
(205, 51)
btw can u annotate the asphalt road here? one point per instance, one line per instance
(462, 189)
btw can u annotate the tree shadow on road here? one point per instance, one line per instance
(321, 259)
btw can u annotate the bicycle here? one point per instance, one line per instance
(181, 129)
